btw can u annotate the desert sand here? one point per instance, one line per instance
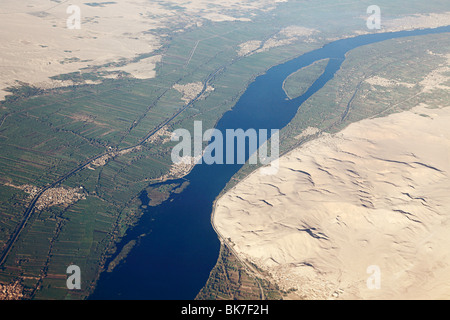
(375, 195)
(37, 43)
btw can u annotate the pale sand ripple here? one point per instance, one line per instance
(377, 193)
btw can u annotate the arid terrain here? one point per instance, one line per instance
(375, 194)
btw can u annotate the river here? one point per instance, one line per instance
(173, 262)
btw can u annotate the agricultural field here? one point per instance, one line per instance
(389, 77)
(96, 128)
(230, 280)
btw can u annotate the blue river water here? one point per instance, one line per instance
(174, 260)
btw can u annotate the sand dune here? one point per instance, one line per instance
(376, 194)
